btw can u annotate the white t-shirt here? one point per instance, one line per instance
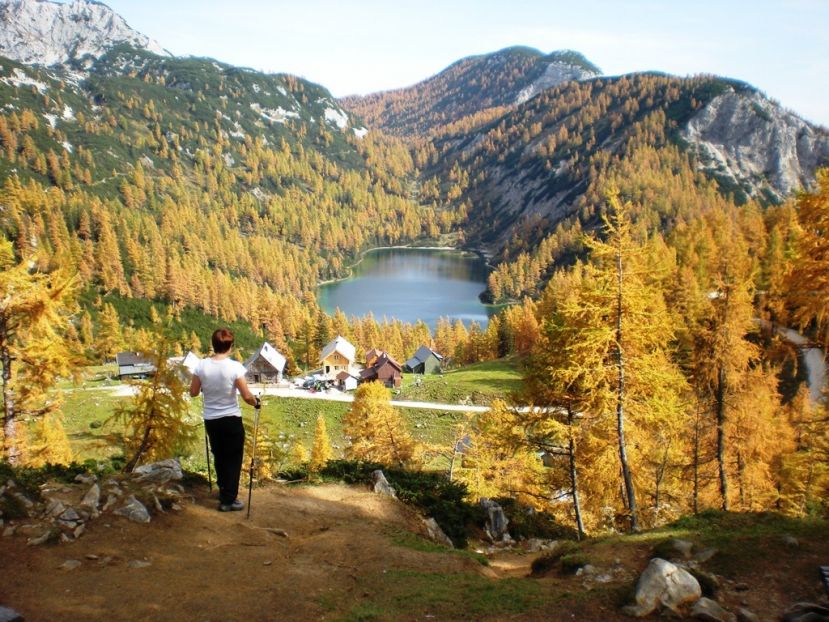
(218, 386)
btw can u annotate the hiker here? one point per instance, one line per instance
(219, 377)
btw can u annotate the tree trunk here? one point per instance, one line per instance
(720, 405)
(573, 476)
(10, 449)
(696, 462)
(620, 397)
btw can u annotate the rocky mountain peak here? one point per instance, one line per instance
(41, 32)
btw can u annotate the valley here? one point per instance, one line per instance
(573, 285)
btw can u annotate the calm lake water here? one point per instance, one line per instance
(410, 285)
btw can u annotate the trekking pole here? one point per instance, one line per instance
(257, 408)
(207, 455)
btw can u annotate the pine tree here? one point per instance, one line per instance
(321, 451)
(110, 337)
(809, 278)
(619, 346)
(34, 311)
(155, 422)
(378, 433)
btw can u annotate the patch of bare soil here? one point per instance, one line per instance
(348, 555)
(206, 565)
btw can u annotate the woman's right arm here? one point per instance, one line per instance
(195, 386)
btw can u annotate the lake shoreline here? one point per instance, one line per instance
(385, 248)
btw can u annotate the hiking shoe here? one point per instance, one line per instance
(231, 507)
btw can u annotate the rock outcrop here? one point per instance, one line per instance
(39, 32)
(755, 144)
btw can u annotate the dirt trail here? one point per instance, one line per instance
(205, 565)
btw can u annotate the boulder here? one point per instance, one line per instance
(710, 611)
(664, 584)
(496, 522)
(86, 478)
(159, 472)
(134, 510)
(436, 534)
(381, 484)
(9, 615)
(806, 612)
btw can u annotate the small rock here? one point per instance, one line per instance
(55, 507)
(705, 554)
(9, 615)
(268, 563)
(8, 532)
(159, 472)
(176, 507)
(134, 510)
(741, 587)
(673, 548)
(138, 563)
(79, 530)
(69, 515)
(92, 497)
(86, 478)
(604, 578)
(70, 564)
(26, 504)
(41, 539)
(105, 560)
(91, 556)
(497, 521)
(710, 611)
(790, 540)
(381, 484)
(746, 615)
(111, 501)
(436, 534)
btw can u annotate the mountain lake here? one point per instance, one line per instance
(411, 284)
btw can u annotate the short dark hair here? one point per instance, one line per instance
(222, 340)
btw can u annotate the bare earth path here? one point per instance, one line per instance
(205, 565)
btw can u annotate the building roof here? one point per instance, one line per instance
(385, 358)
(373, 353)
(344, 375)
(413, 362)
(423, 353)
(341, 345)
(270, 354)
(132, 358)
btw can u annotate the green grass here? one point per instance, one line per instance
(88, 405)
(409, 540)
(475, 384)
(410, 594)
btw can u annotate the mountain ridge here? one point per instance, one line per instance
(50, 33)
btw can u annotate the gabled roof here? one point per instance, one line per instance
(384, 359)
(270, 354)
(423, 353)
(341, 345)
(373, 353)
(344, 375)
(413, 362)
(132, 358)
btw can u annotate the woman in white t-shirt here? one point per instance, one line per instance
(219, 378)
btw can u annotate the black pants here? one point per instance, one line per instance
(227, 441)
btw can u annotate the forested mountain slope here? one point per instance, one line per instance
(478, 85)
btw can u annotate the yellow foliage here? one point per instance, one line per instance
(321, 451)
(377, 431)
